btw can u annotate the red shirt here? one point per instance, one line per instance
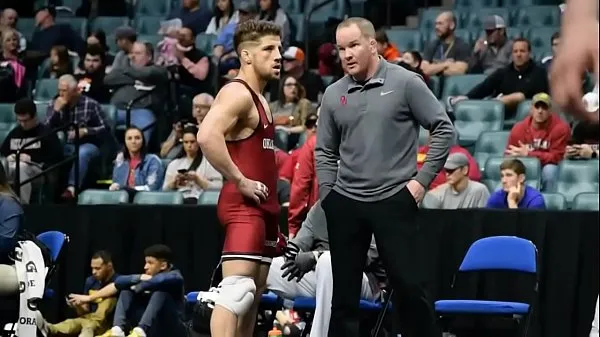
(133, 164)
(305, 188)
(548, 143)
(474, 173)
(255, 158)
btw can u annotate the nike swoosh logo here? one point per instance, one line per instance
(266, 126)
(383, 93)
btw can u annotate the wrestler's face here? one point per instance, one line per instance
(266, 57)
(355, 49)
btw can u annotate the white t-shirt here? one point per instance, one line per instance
(191, 189)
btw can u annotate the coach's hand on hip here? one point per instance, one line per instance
(416, 190)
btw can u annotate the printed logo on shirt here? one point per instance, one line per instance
(268, 144)
(539, 144)
(343, 100)
(84, 85)
(421, 157)
(16, 143)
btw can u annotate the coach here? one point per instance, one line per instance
(369, 122)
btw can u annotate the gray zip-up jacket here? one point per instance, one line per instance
(123, 81)
(372, 128)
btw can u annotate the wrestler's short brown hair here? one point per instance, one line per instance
(252, 31)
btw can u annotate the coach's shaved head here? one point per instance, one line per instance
(366, 27)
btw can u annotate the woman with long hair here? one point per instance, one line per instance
(270, 10)
(191, 173)
(289, 112)
(135, 168)
(225, 13)
(60, 63)
(11, 62)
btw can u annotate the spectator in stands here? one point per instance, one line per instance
(92, 316)
(515, 193)
(412, 60)
(72, 107)
(385, 48)
(305, 270)
(223, 51)
(11, 219)
(448, 54)
(91, 81)
(585, 138)
(329, 61)
(135, 169)
(191, 173)
(543, 135)
(514, 83)
(494, 51)
(8, 20)
(293, 64)
(140, 87)
(34, 157)
(126, 37)
(224, 13)
(270, 10)
(459, 191)
(12, 70)
(289, 113)
(50, 34)
(473, 172)
(98, 37)
(152, 302)
(194, 65)
(547, 61)
(193, 15)
(304, 191)
(95, 8)
(60, 63)
(173, 146)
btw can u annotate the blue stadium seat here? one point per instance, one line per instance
(507, 253)
(586, 202)
(554, 201)
(405, 39)
(474, 117)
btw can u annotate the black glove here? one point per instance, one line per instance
(302, 264)
(290, 251)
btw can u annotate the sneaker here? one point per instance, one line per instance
(114, 332)
(137, 332)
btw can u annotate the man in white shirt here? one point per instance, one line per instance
(458, 191)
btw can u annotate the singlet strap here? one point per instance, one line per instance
(259, 106)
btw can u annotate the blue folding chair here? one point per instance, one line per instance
(54, 241)
(497, 253)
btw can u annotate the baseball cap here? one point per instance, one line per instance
(542, 97)
(125, 32)
(493, 22)
(247, 7)
(293, 53)
(456, 160)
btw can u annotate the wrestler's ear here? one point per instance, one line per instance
(245, 56)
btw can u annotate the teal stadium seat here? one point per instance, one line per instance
(474, 19)
(537, 16)
(427, 19)
(110, 115)
(405, 39)
(27, 27)
(205, 42)
(554, 201)
(148, 25)
(291, 6)
(153, 8)
(79, 25)
(209, 197)
(158, 198)
(296, 27)
(333, 9)
(153, 39)
(491, 176)
(46, 89)
(476, 3)
(7, 113)
(490, 144)
(522, 113)
(102, 197)
(540, 38)
(586, 202)
(460, 85)
(42, 110)
(3, 134)
(474, 117)
(434, 85)
(109, 24)
(577, 176)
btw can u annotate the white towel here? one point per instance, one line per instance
(31, 273)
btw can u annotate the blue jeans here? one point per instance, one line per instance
(140, 118)
(156, 313)
(87, 152)
(549, 175)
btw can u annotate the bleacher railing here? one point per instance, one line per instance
(72, 158)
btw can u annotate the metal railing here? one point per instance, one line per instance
(72, 158)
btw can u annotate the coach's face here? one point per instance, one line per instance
(355, 49)
(266, 57)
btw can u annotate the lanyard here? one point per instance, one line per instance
(445, 54)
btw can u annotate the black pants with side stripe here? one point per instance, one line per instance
(350, 224)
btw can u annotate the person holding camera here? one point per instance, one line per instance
(191, 173)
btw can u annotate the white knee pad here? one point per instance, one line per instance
(236, 294)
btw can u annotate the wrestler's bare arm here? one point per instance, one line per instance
(232, 104)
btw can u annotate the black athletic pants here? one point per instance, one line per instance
(393, 222)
